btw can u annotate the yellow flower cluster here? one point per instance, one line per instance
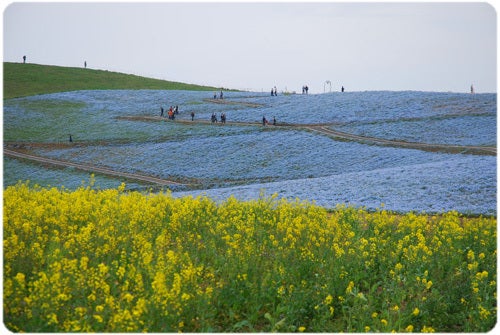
(114, 261)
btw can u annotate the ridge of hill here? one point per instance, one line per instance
(21, 80)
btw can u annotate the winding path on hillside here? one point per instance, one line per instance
(19, 150)
(448, 148)
(327, 130)
(90, 168)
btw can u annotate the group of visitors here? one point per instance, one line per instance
(266, 122)
(274, 91)
(305, 89)
(222, 118)
(172, 112)
(221, 95)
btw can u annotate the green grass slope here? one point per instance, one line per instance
(32, 79)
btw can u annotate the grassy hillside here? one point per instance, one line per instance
(32, 79)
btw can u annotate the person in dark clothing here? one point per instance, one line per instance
(264, 121)
(161, 111)
(24, 59)
(192, 116)
(274, 120)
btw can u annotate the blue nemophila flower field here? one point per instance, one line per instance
(122, 130)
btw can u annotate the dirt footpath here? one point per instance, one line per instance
(21, 150)
(90, 168)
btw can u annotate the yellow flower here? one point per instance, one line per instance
(349, 287)
(426, 329)
(482, 275)
(328, 300)
(103, 269)
(302, 328)
(128, 297)
(361, 296)
(384, 322)
(483, 312)
(416, 311)
(470, 255)
(367, 329)
(52, 318)
(429, 284)
(98, 318)
(20, 278)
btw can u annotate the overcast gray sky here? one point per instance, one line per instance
(362, 46)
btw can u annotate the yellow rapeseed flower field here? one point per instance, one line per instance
(114, 261)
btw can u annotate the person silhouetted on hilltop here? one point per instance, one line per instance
(24, 59)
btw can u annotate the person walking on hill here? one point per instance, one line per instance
(192, 116)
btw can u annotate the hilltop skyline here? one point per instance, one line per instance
(256, 46)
